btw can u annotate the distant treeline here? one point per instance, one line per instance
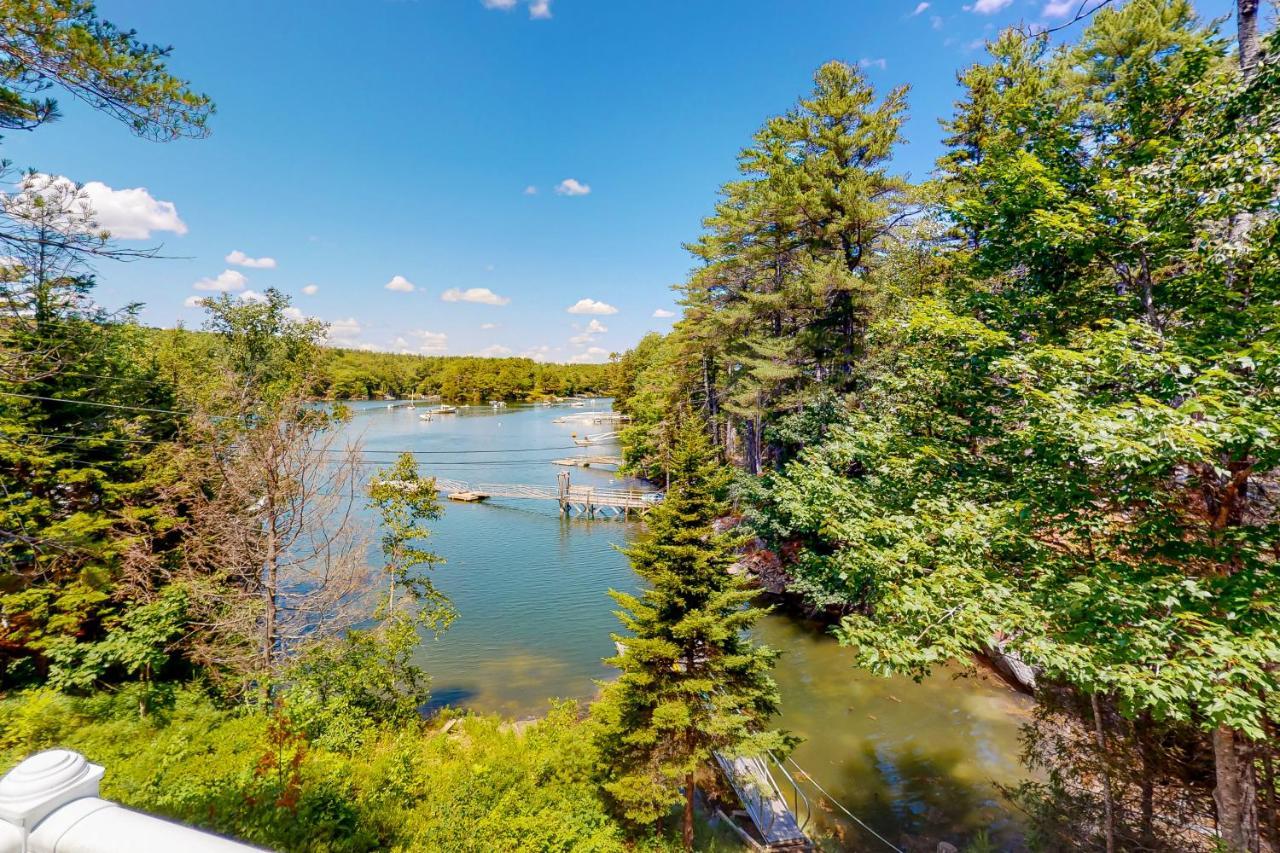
(346, 374)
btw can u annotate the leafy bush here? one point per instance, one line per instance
(480, 785)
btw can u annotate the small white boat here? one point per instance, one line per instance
(426, 416)
(447, 410)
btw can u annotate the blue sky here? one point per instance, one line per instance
(421, 142)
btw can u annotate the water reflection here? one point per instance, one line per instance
(915, 761)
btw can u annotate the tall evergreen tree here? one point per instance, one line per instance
(692, 681)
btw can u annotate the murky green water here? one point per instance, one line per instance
(914, 761)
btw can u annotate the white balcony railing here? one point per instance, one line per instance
(49, 804)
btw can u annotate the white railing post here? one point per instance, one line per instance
(43, 783)
(49, 804)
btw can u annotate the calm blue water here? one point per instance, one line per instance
(916, 761)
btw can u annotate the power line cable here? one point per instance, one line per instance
(361, 451)
(841, 806)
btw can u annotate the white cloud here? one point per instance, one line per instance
(880, 63)
(252, 296)
(240, 259)
(538, 9)
(1059, 8)
(128, 214)
(224, 282)
(311, 289)
(294, 314)
(431, 343)
(344, 332)
(539, 353)
(488, 326)
(920, 7)
(193, 301)
(663, 313)
(132, 214)
(399, 284)
(531, 190)
(987, 7)
(494, 351)
(935, 21)
(594, 328)
(591, 306)
(572, 186)
(591, 355)
(481, 295)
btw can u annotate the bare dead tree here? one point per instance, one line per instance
(276, 557)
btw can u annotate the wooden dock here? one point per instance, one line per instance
(587, 501)
(589, 461)
(763, 803)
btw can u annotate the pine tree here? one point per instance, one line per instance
(692, 681)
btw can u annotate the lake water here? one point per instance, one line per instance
(916, 762)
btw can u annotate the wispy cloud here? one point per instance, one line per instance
(591, 355)
(531, 190)
(572, 186)
(663, 313)
(343, 333)
(311, 289)
(919, 10)
(591, 306)
(589, 334)
(1060, 8)
(987, 7)
(431, 343)
(481, 295)
(493, 351)
(539, 10)
(399, 284)
(240, 259)
(866, 62)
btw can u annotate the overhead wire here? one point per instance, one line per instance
(809, 776)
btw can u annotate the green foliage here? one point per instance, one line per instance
(64, 43)
(692, 682)
(1069, 449)
(409, 786)
(358, 375)
(406, 501)
(338, 688)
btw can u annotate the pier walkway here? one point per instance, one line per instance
(587, 501)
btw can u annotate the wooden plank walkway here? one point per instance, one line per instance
(763, 802)
(589, 461)
(573, 500)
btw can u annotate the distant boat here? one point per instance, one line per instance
(498, 404)
(447, 410)
(578, 405)
(426, 416)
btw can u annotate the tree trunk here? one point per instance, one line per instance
(1108, 809)
(1147, 749)
(1247, 36)
(1236, 792)
(687, 829)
